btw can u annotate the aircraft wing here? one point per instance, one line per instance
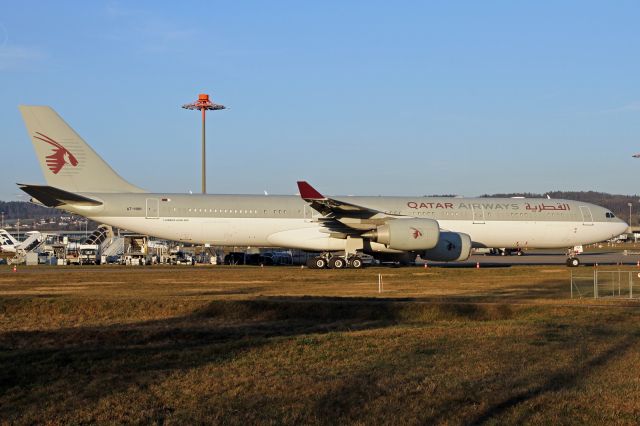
(342, 217)
(331, 207)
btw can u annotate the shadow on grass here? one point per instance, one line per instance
(73, 367)
(415, 398)
(560, 380)
(230, 292)
(547, 289)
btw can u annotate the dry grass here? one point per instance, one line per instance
(244, 345)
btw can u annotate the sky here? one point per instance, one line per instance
(357, 97)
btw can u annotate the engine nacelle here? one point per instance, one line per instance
(451, 247)
(407, 234)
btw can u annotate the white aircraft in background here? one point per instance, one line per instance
(340, 228)
(10, 245)
(7, 242)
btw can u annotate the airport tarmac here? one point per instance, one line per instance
(547, 257)
(529, 258)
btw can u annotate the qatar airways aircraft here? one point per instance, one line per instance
(339, 228)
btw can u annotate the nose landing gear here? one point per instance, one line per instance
(572, 262)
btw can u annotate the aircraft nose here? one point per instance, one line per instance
(622, 227)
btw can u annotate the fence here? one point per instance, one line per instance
(611, 284)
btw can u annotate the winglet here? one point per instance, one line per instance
(308, 192)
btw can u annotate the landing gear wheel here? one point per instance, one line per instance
(355, 262)
(319, 263)
(337, 262)
(572, 262)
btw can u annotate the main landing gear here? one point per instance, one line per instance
(334, 262)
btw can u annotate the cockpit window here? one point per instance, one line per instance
(610, 215)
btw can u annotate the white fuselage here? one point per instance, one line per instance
(287, 221)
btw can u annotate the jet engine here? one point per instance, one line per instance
(407, 234)
(451, 247)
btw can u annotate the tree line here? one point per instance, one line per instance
(24, 210)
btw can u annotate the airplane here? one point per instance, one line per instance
(8, 244)
(340, 228)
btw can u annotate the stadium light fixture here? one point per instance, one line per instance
(203, 104)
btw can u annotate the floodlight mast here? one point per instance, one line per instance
(203, 104)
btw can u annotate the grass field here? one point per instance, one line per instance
(240, 345)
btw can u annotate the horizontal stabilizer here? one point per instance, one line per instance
(54, 197)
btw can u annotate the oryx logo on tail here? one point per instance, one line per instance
(60, 155)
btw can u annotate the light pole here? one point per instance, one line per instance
(2, 226)
(629, 204)
(203, 104)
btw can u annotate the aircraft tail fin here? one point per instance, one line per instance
(4, 234)
(67, 161)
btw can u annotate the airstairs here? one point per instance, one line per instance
(32, 244)
(113, 247)
(101, 234)
(108, 244)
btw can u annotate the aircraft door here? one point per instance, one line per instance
(152, 208)
(587, 218)
(478, 213)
